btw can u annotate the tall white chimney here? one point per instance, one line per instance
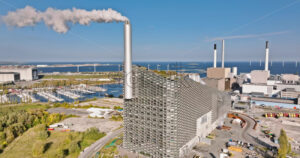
(215, 55)
(127, 61)
(223, 52)
(267, 56)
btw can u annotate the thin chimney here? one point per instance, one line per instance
(215, 55)
(267, 56)
(223, 53)
(127, 61)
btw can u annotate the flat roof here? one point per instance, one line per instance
(10, 73)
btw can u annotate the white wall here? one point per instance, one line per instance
(7, 77)
(250, 88)
(25, 73)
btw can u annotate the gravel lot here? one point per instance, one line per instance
(109, 102)
(82, 123)
(68, 111)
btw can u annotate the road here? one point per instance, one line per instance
(245, 134)
(95, 147)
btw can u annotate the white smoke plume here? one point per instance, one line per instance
(59, 20)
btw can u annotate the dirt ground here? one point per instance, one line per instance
(109, 102)
(82, 124)
(68, 111)
(219, 142)
(290, 125)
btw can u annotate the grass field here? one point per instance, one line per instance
(4, 109)
(58, 144)
(83, 76)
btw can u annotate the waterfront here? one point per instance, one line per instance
(191, 67)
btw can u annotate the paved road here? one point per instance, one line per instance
(94, 148)
(245, 135)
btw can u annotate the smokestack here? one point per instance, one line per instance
(223, 52)
(215, 55)
(267, 56)
(127, 61)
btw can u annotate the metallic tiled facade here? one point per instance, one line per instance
(162, 116)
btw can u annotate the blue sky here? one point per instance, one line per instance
(168, 30)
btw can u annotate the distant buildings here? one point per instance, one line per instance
(26, 73)
(167, 117)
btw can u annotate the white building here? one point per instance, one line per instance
(9, 77)
(27, 73)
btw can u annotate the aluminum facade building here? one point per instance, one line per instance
(167, 117)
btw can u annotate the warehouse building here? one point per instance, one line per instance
(7, 77)
(167, 117)
(27, 73)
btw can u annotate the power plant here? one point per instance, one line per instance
(167, 116)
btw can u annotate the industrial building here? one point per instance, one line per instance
(7, 77)
(220, 78)
(167, 117)
(259, 76)
(27, 73)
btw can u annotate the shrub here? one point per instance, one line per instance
(74, 147)
(38, 148)
(93, 133)
(2, 136)
(43, 135)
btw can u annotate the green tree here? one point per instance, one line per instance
(284, 145)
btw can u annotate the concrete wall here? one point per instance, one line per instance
(259, 76)
(250, 88)
(215, 83)
(7, 77)
(218, 72)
